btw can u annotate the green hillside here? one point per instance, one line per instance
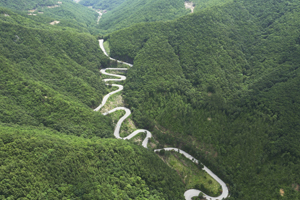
(68, 13)
(220, 84)
(52, 143)
(125, 13)
(26, 5)
(237, 100)
(203, 4)
(132, 12)
(37, 163)
(102, 4)
(51, 78)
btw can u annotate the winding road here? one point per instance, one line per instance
(189, 193)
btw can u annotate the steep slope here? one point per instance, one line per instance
(203, 4)
(102, 4)
(219, 190)
(133, 12)
(40, 163)
(28, 5)
(129, 12)
(50, 78)
(125, 13)
(66, 12)
(158, 71)
(239, 102)
(51, 141)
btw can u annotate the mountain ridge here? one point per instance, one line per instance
(241, 72)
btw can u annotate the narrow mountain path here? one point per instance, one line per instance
(99, 17)
(189, 193)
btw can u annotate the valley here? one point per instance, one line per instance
(212, 84)
(189, 193)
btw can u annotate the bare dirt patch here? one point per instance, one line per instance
(31, 11)
(54, 6)
(281, 191)
(152, 145)
(114, 101)
(137, 140)
(189, 5)
(54, 22)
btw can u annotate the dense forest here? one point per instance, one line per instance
(226, 79)
(50, 78)
(102, 4)
(28, 5)
(137, 11)
(220, 84)
(125, 13)
(52, 144)
(69, 14)
(38, 163)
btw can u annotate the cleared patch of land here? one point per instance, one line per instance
(189, 5)
(114, 101)
(191, 174)
(106, 47)
(281, 191)
(54, 22)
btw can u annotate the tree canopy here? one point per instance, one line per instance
(235, 94)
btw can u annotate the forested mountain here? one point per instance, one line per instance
(102, 4)
(125, 13)
(27, 5)
(50, 78)
(225, 78)
(137, 11)
(203, 4)
(52, 144)
(67, 12)
(37, 163)
(221, 84)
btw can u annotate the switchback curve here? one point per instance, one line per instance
(189, 193)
